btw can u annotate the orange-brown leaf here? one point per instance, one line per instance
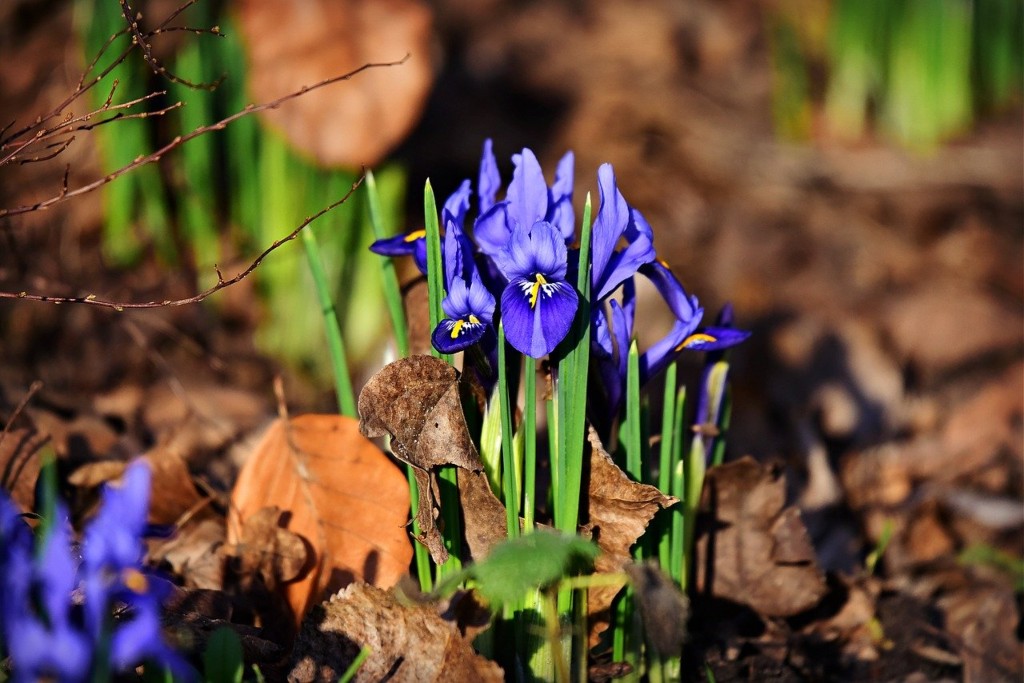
(340, 493)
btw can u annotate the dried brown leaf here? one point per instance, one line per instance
(340, 493)
(762, 555)
(406, 642)
(416, 401)
(301, 42)
(194, 552)
(268, 550)
(619, 511)
(173, 494)
(484, 518)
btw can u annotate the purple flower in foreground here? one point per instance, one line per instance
(39, 633)
(537, 305)
(50, 635)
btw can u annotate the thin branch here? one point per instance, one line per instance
(147, 52)
(84, 86)
(182, 139)
(93, 300)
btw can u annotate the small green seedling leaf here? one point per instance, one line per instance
(222, 659)
(536, 560)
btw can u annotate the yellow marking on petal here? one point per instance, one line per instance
(473, 320)
(535, 289)
(415, 235)
(665, 263)
(695, 338)
(457, 328)
(136, 581)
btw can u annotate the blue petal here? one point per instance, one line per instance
(539, 249)
(685, 307)
(457, 252)
(714, 339)
(399, 245)
(656, 358)
(612, 218)
(527, 194)
(457, 205)
(536, 330)
(490, 179)
(491, 229)
(560, 212)
(452, 336)
(463, 301)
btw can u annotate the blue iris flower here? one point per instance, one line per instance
(47, 633)
(528, 200)
(469, 306)
(538, 304)
(686, 333)
(415, 243)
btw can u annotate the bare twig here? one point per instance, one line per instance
(85, 85)
(141, 40)
(93, 300)
(182, 139)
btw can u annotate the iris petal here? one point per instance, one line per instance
(685, 307)
(536, 330)
(615, 221)
(490, 179)
(714, 339)
(528, 192)
(457, 205)
(491, 229)
(561, 213)
(452, 336)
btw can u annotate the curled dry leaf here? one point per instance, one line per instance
(761, 554)
(339, 492)
(484, 521)
(406, 642)
(619, 510)
(292, 43)
(416, 401)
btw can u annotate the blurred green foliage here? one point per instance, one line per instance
(917, 72)
(227, 195)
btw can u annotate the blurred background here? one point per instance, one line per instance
(848, 173)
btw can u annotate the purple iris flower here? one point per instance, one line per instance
(415, 243)
(469, 306)
(686, 333)
(48, 633)
(528, 200)
(617, 222)
(538, 304)
(39, 631)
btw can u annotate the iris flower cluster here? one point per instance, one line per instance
(523, 255)
(56, 605)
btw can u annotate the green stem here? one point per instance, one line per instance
(435, 267)
(335, 341)
(530, 434)
(668, 411)
(389, 276)
(511, 490)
